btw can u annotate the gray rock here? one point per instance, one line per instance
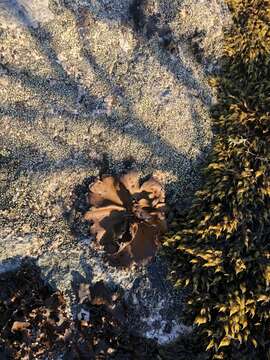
(25, 12)
(94, 87)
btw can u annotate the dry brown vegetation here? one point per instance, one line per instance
(34, 323)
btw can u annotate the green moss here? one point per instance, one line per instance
(221, 249)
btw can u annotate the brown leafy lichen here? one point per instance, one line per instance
(127, 217)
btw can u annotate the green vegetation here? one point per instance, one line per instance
(221, 248)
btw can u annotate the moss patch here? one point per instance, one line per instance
(221, 249)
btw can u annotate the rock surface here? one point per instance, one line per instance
(92, 87)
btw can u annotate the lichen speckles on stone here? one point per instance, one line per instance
(25, 12)
(99, 87)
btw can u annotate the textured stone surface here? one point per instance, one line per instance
(25, 12)
(90, 87)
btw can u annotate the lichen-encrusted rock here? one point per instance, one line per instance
(95, 87)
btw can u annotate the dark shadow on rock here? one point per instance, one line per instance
(146, 136)
(17, 11)
(78, 279)
(69, 85)
(75, 216)
(28, 307)
(12, 264)
(28, 302)
(80, 204)
(155, 306)
(68, 88)
(147, 26)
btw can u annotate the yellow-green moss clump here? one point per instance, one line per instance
(222, 246)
